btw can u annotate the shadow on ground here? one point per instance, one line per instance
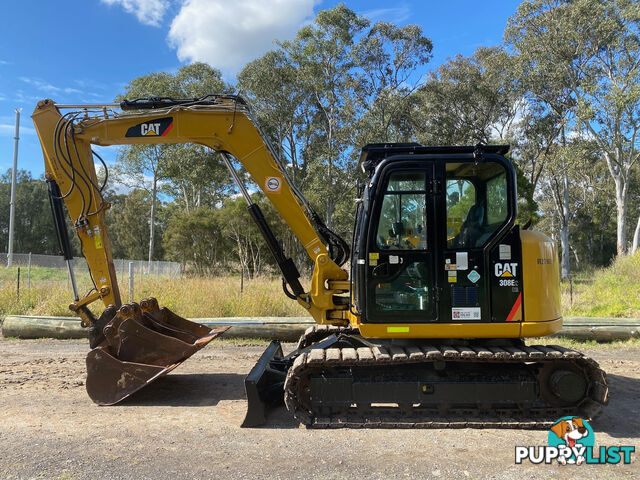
(620, 418)
(189, 390)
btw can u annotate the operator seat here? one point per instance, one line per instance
(472, 230)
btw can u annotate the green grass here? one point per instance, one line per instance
(610, 292)
(38, 274)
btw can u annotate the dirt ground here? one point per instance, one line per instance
(187, 426)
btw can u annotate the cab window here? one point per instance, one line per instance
(403, 218)
(477, 203)
(497, 199)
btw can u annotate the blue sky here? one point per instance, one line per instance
(86, 51)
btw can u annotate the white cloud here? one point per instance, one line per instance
(149, 12)
(7, 129)
(47, 87)
(4, 62)
(228, 34)
(392, 15)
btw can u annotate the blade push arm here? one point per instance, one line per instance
(225, 125)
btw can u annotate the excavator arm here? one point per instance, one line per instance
(222, 123)
(134, 344)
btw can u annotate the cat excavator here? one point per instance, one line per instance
(421, 321)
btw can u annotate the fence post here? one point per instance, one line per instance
(29, 274)
(130, 281)
(18, 289)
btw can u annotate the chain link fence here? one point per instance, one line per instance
(140, 267)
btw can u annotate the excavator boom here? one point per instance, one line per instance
(139, 343)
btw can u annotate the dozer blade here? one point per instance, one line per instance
(264, 385)
(140, 344)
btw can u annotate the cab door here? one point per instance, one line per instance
(401, 280)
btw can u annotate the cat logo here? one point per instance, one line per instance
(158, 127)
(150, 129)
(506, 269)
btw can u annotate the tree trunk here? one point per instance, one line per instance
(636, 238)
(564, 235)
(152, 225)
(621, 206)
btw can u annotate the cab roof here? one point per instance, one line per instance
(373, 153)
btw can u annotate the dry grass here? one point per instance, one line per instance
(189, 297)
(221, 297)
(610, 292)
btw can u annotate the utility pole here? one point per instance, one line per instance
(12, 205)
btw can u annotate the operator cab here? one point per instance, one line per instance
(431, 225)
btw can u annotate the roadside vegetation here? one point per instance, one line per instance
(50, 294)
(609, 292)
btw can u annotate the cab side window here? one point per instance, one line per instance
(403, 216)
(497, 199)
(461, 197)
(477, 203)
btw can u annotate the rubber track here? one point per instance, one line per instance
(390, 417)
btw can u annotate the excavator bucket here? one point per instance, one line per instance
(140, 344)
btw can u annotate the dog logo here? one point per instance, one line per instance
(571, 442)
(571, 435)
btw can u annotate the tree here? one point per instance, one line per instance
(128, 223)
(388, 58)
(338, 85)
(322, 54)
(592, 49)
(195, 176)
(33, 229)
(145, 166)
(469, 100)
(195, 238)
(247, 244)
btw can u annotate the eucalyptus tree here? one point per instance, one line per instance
(390, 60)
(147, 166)
(592, 49)
(322, 54)
(471, 99)
(338, 84)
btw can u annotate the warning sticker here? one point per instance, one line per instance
(273, 184)
(473, 276)
(504, 252)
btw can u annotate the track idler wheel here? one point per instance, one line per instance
(138, 345)
(563, 386)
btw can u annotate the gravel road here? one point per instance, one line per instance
(186, 426)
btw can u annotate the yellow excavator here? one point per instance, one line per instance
(424, 328)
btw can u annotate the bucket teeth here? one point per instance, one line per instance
(142, 342)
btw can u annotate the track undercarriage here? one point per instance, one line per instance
(338, 379)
